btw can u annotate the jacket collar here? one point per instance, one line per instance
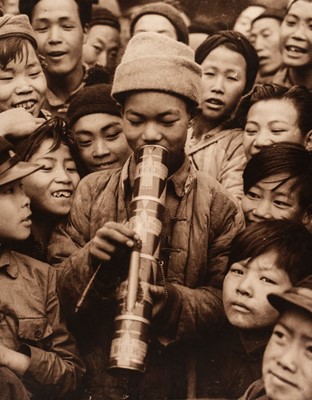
(8, 263)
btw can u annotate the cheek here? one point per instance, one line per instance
(246, 204)
(75, 178)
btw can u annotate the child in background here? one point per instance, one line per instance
(37, 354)
(267, 257)
(230, 65)
(96, 126)
(244, 21)
(22, 82)
(51, 189)
(287, 361)
(277, 184)
(296, 45)
(277, 114)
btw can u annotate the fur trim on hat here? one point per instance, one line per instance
(167, 11)
(103, 16)
(155, 62)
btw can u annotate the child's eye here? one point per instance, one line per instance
(46, 168)
(277, 131)
(34, 74)
(268, 280)
(113, 136)
(169, 122)
(135, 123)
(84, 143)
(98, 49)
(281, 204)
(252, 195)
(251, 132)
(309, 351)
(279, 336)
(237, 271)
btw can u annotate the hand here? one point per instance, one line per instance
(159, 296)
(17, 122)
(15, 361)
(109, 239)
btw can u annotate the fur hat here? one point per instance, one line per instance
(17, 26)
(102, 16)
(11, 166)
(167, 11)
(156, 62)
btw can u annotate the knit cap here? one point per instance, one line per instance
(92, 100)
(17, 26)
(102, 16)
(156, 62)
(167, 11)
(274, 13)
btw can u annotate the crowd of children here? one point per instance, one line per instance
(232, 295)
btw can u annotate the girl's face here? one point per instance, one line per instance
(296, 35)
(101, 142)
(22, 83)
(51, 188)
(223, 82)
(272, 198)
(246, 287)
(268, 122)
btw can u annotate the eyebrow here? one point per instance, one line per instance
(103, 129)
(54, 158)
(61, 19)
(163, 114)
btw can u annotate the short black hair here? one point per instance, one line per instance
(84, 9)
(282, 158)
(12, 49)
(291, 241)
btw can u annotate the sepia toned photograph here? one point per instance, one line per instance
(155, 200)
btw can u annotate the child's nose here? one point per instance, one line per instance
(263, 209)
(151, 133)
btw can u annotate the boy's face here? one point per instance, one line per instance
(244, 20)
(15, 212)
(268, 122)
(157, 118)
(102, 46)
(155, 23)
(59, 35)
(296, 35)
(223, 82)
(51, 188)
(287, 361)
(246, 287)
(22, 83)
(265, 37)
(272, 198)
(101, 142)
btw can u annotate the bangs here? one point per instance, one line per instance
(13, 49)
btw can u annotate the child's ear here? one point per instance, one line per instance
(85, 33)
(308, 141)
(307, 218)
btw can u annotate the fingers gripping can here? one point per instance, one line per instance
(134, 304)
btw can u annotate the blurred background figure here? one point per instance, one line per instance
(265, 37)
(103, 39)
(202, 27)
(245, 18)
(10, 7)
(161, 18)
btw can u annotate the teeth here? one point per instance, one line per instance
(295, 49)
(27, 105)
(62, 193)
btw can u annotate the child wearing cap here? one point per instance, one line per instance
(22, 81)
(102, 44)
(296, 42)
(268, 257)
(38, 357)
(161, 18)
(95, 122)
(200, 223)
(230, 65)
(287, 361)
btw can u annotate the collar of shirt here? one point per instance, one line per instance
(181, 179)
(55, 101)
(8, 263)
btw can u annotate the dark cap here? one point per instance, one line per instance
(167, 11)
(102, 16)
(17, 26)
(274, 13)
(11, 166)
(299, 296)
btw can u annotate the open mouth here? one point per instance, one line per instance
(296, 49)
(56, 54)
(105, 165)
(27, 220)
(27, 105)
(62, 194)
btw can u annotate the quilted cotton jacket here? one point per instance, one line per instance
(207, 220)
